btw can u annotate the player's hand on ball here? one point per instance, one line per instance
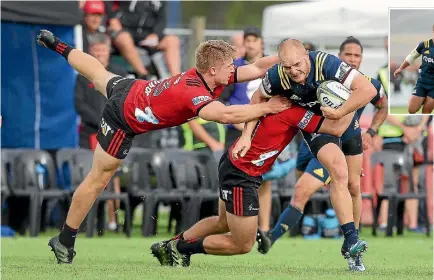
(277, 104)
(367, 141)
(241, 147)
(397, 72)
(330, 113)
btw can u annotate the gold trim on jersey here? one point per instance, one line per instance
(284, 79)
(367, 77)
(319, 65)
(426, 44)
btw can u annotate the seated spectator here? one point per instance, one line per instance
(93, 22)
(89, 104)
(145, 21)
(405, 134)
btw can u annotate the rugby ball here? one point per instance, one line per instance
(332, 94)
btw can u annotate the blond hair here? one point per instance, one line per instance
(213, 52)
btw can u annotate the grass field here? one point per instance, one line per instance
(401, 110)
(116, 257)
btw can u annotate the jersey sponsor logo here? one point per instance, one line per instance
(428, 59)
(295, 97)
(146, 116)
(263, 157)
(200, 99)
(356, 124)
(308, 104)
(179, 78)
(165, 85)
(225, 194)
(105, 128)
(343, 71)
(251, 208)
(319, 172)
(151, 85)
(305, 120)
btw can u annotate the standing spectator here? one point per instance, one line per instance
(238, 42)
(94, 12)
(89, 106)
(145, 21)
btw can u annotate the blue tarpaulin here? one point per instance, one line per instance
(37, 90)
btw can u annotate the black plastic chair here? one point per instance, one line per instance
(172, 186)
(80, 164)
(394, 164)
(202, 183)
(39, 185)
(143, 184)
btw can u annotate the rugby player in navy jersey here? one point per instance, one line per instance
(312, 175)
(423, 93)
(297, 77)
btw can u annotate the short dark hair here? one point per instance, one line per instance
(350, 40)
(98, 38)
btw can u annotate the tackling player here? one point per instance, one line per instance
(298, 77)
(137, 106)
(423, 93)
(239, 180)
(312, 175)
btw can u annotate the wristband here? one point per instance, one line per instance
(371, 132)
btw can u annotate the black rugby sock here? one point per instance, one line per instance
(192, 246)
(67, 236)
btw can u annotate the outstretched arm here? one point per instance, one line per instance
(409, 59)
(218, 112)
(256, 70)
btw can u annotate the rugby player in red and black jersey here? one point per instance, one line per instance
(137, 106)
(239, 179)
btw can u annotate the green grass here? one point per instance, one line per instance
(401, 110)
(116, 257)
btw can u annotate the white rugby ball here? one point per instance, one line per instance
(332, 94)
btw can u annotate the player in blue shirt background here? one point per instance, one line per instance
(423, 93)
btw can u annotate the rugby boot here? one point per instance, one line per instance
(47, 39)
(177, 258)
(264, 241)
(161, 252)
(62, 253)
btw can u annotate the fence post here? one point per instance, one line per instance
(197, 25)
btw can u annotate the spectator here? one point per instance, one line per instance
(89, 104)
(93, 22)
(204, 136)
(238, 42)
(405, 134)
(383, 72)
(145, 21)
